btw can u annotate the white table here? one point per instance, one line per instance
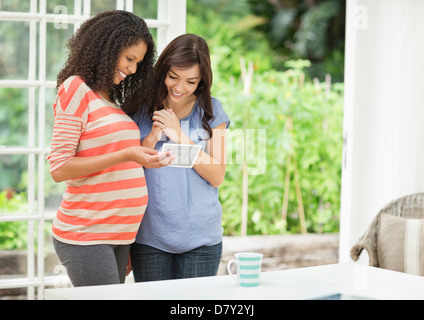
(351, 280)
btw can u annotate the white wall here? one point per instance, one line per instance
(384, 110)
(174, 12)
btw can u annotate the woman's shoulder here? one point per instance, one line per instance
(74, 95)
(219, 113)
(75, 83)
(216, 102)
(217, 106)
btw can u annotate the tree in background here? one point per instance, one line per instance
(309, 29)
(313, 30)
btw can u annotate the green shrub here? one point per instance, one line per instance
(301, 119)
(13, 235)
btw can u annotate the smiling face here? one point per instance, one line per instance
(182, 83)
(128, 61)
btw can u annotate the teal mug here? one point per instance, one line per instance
(248, 268)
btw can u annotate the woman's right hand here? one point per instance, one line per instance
(151, 158)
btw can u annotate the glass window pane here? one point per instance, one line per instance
(13, 117)
(13, 5)
(60, 7)
(50, 97)
(13, 183)
(98, 6)
(13, 237)
(14, 48)
(56, 52)
(154, 33)
(146, 9)
(14, 254)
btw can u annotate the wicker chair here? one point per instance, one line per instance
(410, 206)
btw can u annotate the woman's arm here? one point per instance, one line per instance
(78, 167)
(153, 137)
(209, 165)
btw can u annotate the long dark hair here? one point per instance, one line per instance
(94, 51)
(184, 52)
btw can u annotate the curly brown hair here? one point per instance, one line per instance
(94, 51)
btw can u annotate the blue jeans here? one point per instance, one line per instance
(150, 264)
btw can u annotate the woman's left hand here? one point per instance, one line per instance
(168, 121)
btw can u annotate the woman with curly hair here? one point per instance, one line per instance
(96, 147)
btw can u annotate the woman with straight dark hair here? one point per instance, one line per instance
(181, 234)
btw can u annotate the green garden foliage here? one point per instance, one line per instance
(303, 125)
(296, 173)
(13, 235)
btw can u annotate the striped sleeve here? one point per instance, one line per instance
(70, 118)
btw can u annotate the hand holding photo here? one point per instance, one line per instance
(186, 154)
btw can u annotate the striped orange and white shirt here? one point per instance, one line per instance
(105, 207)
